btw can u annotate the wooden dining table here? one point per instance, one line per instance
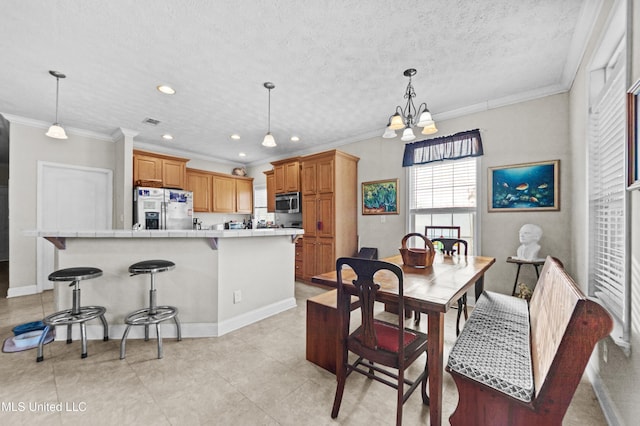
(432, 290)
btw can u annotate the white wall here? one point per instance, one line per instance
(28, 145)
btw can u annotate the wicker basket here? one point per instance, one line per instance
(417, 257)
(150, 183)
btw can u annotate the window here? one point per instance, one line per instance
(607, 193)
(444, 193)
(260, 206)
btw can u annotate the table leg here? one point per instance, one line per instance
(515, 283)
(435, 352)
(479, 287)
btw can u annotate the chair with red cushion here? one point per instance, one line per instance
(377, 343)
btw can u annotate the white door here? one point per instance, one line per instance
(70, 198)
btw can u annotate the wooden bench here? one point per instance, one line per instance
(322, 329)
(519, 364)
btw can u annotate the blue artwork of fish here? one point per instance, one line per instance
(524, 187)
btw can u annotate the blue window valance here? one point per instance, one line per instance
(453, 147)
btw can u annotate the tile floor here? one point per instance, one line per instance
(254, 376)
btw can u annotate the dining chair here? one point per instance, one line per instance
(380, 346)
(447, 247)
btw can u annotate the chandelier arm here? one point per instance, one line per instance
(419, 111)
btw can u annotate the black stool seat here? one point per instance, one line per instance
(153, 314)
(78, 314)
(75, 274)
(151, 266)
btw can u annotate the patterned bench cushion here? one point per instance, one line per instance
(494, 346)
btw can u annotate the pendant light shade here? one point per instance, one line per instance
(56, 131)
(397, 122)
(389, 133)
(407, 135)
(269, 140)
(430, 129)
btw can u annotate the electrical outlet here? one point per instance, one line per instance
(605, 352)
(237, 296)
(383, 219)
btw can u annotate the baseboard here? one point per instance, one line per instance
(189, 330)
(22, 291)
(256, 315)
(602, 393)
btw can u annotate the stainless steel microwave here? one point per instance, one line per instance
(288, 203)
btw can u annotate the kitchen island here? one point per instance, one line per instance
(223, 280)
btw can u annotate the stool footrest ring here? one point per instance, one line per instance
(144, 316)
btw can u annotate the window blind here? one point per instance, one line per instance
(607, 199)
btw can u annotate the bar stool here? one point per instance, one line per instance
(78, 314)
(153, 314)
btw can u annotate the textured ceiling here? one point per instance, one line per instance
(337, 65)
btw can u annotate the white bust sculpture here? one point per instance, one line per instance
(529, 234)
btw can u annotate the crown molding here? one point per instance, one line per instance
(45, 125)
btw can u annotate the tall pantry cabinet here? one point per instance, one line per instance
(329, 210)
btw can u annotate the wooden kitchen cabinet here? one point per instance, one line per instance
(200, 184)
(224, 194)
(299, 271)
(220, 193)
(167, 171)
(244, 195)
(329, 211)
(271, 191)
(286, 175)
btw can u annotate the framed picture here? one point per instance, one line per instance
(380, 197)
(525, 187)
(633, 118)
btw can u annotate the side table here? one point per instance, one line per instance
(520, 262)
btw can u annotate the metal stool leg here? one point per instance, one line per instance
(69, 331)
(177, 321)
(123, 342)
(105, 327)
(40, 356)
(83, 338)
(160, 354)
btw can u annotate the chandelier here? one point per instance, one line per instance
(410, 116)
(56, 131)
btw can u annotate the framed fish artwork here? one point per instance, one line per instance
(525, 187)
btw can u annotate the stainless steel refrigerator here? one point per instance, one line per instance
(161, 208)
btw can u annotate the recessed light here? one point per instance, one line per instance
(167, 137)
(295, 138)
(167, 90)
(242, 154)
(235, 136)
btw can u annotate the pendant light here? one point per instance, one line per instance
(409, 116)
(56, 131)
(268, 140)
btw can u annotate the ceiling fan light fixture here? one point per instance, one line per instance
(56, 131)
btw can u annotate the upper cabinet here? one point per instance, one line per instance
(200, 184)
(220, 193)
(271, 191)
(159, 170)
(286, 175)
